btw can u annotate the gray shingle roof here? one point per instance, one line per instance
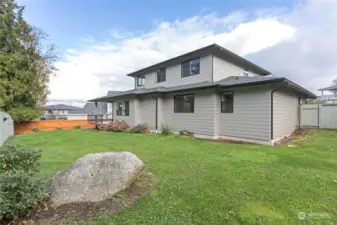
(113, 93)
(60, 107)
(235, 80)
(90, 109)
(229, 82)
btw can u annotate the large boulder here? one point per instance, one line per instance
(95, 177)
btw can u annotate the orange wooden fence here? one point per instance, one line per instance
(45, 125)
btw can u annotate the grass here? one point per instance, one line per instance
(202, 182)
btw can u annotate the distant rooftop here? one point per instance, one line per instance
(331, 88)
(60, 107)
(91, 109)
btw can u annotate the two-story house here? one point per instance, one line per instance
(213, 93)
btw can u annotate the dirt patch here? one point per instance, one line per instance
(69, 213)
(231, 141)
(297, 134)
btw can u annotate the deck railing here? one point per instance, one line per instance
(100, 119)
(328, 97)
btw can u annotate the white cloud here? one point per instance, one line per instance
(101, 66)
(309, 58)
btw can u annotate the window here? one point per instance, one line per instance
(122, 108)
(184, 103)
(190, 68)
(227, 102)
(140, 81)
(161, 75)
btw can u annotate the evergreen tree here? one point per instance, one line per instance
(25, 64)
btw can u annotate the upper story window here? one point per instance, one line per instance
(190, 68)
(140, 81)
(227, 102)
(161, 75)
(122, 108)
(184, 103)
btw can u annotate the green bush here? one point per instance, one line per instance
(165, 129)
(20, 189)
(35, 129)
(77, 127)
(59, 128)
(140, 128)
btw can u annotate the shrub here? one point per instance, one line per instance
(184, 132)
(20, 190)
(59, 128)
(35, 129)
(165, 129)
(118, 126)
(140, 128)
(77, 127)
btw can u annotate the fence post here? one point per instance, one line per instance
(318, 115)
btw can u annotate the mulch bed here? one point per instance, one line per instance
(231, 141)
(91, 210)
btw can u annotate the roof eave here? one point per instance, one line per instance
(285, 81)
(307, 94)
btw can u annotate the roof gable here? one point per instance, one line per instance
(211, 49)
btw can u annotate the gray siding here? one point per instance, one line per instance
(6, 127)
(173, 75)
(286, 109)
(223, 69)
(216, 113)
(200, 122)
(147, 112)
(251, 116)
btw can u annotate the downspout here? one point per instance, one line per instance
(272, 112)
(299, 113)
(156, 115)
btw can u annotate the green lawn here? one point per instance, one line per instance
(202, 182)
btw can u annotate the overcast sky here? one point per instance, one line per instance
(297, 40)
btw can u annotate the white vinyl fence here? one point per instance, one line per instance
(6, 127)
(319, 116)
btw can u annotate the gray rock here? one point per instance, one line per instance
(95, 177)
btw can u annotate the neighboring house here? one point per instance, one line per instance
(58, 111)
(213, 93)
(89, 108)
(68, 112)
(330, 98)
